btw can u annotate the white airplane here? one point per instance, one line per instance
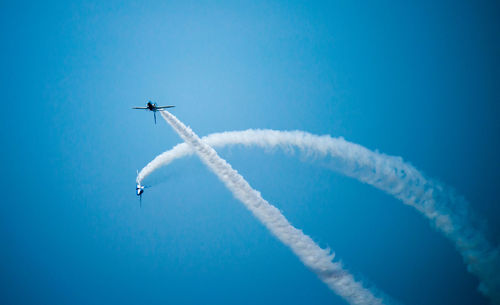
(139, 190)
(153, 107)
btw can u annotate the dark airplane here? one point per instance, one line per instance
(152, 107)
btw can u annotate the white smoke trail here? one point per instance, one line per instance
(446, 210)
(317, 259)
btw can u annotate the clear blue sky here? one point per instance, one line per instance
(415, 79)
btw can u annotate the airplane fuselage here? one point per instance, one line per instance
(139, 189)
(151, 106)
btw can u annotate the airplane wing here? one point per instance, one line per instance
(140, 108)
(163, 107)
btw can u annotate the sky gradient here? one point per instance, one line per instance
(412, 79)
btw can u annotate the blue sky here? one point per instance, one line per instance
(413, 79)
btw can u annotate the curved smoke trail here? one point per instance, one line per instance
(446, 210)
(317, 259)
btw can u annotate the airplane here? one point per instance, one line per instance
(139, 189)
(153, 107)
